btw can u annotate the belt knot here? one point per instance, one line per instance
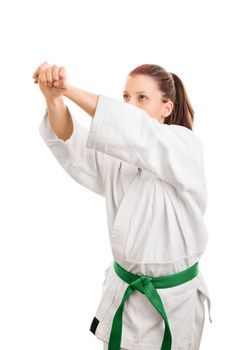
(140, 283)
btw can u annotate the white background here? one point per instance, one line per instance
(54, 244)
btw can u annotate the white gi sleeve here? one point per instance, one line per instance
(172, 152)
(85, 166)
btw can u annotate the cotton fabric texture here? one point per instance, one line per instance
(152, 178)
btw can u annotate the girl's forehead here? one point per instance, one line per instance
(140, 84)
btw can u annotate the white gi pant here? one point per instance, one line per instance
(199, 326)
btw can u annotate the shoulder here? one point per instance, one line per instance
(185, 133)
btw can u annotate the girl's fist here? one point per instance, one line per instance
(52, 80)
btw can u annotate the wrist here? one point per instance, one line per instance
(54, 100)
(68, 91)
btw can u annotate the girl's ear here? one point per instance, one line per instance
(168, 107)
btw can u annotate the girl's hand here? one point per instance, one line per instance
(52, 80)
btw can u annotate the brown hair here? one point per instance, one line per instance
(173, 89)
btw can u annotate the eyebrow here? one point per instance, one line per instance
(136, 92)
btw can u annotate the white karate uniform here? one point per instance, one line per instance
(153, 179)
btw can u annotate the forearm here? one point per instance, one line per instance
(59, 118)
(84, 99)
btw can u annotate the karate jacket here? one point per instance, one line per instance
(152, 177)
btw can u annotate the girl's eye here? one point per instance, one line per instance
(124, 96)
(142, 96)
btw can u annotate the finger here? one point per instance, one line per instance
(37, 71)
(35, 74)
(42, 78)
(45, 64)
(62, 73)
(48, 76)
(55, 70)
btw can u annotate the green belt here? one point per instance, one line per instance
(147, 285)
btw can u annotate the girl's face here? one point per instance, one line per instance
(143, 92)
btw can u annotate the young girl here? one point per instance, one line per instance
(142, 155)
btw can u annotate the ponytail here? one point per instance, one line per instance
(182, 113)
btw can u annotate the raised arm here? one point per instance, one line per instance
(84, 99)
(65, 136)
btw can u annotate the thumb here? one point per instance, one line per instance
(59, 83)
